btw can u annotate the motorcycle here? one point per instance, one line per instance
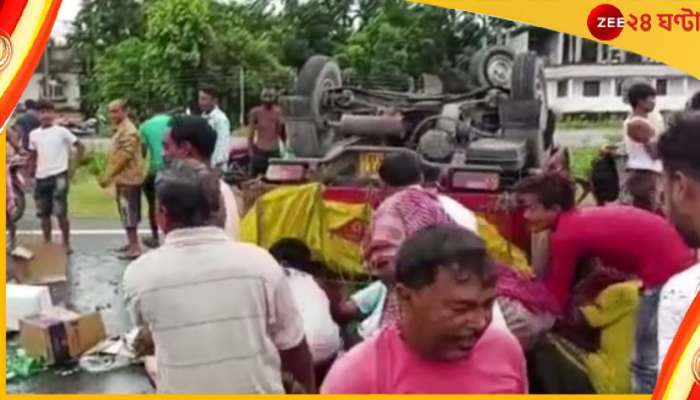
(17, 165)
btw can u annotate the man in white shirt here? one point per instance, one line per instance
(322, 333)
(679, 149)
(50, 146)
(220, 314)
(192, 137)
(209, 104)
(641, 130)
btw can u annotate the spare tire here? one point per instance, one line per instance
(491, 67)
(317, 74)
(528, 82)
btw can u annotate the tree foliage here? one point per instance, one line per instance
(156, 52)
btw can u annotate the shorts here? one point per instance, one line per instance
(261, 160)
(641, 189)
(149, 187)
(51, 196)
(129, 205)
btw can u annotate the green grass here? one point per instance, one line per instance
(87, 199)
(591, 121)
(581, 159)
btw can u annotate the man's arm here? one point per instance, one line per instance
(13, 138)
(286, 329)
(560, 276)
(80, 151)
(640, 131)
(298, 363)
(252, 125)
(122, 154)
(33, 158)
(343, 309)
(143, 343)
(223, 140)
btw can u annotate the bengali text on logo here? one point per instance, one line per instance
(606, 22)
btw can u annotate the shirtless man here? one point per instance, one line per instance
(265, 132)
(641, 130)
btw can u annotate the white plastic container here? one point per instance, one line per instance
(23, 301)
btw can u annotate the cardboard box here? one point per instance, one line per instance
(58, 335)
(47, 264)
(23, 301)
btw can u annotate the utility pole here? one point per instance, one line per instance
(47, 77)
(241, 83)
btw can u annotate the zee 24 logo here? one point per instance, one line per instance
(605, 22)
(5, 50)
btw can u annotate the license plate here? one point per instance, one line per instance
(475, 181)
(369, 164)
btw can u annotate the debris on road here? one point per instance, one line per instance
(23, 301)
(20, 365)
(57, 334)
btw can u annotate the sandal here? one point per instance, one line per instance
(122, 249)
(152, 243)
(129, 257)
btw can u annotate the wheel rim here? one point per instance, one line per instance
(499, 70)
(325, 135)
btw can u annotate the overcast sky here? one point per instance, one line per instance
(66, 15)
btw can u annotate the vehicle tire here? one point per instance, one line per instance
(527, 84)
(317, 74)
(19, 206)
(492, 67)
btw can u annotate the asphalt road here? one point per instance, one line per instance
(93, 283)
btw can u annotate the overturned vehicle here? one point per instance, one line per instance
(478, 144)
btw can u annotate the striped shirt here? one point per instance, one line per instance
(219, 312)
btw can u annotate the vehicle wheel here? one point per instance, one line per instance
(527, 81)
(318, 74)
(19, 207)
(492, 67)
(527, 84)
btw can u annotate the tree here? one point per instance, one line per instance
(98, 25)
(118, 74)
(187, 43)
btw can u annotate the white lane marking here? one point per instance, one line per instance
(83, 232)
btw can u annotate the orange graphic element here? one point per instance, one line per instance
(696, 367)
(353, 231)
(5, 50)
(674, 374)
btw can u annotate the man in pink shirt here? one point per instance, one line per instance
(622, 237)
(444, 342)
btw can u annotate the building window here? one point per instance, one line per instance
(618, 87)
(633, 58)
(604, 54)
(563, 88)
(591, 88)
(566, 49)
(589, 51)
(661, 87)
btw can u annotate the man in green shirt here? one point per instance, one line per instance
(153, 132)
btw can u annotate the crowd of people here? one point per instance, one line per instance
(443, 315)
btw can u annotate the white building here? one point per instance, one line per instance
(57, 79)
(584, 76)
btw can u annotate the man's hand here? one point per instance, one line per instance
(103, 181)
